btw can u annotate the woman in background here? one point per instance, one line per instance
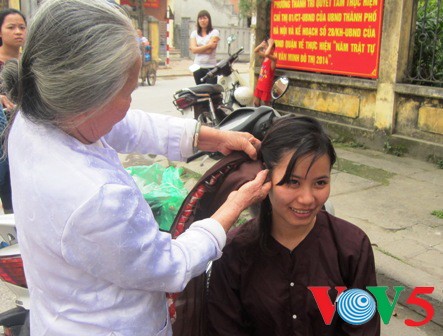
(12, 38)
(203, 44)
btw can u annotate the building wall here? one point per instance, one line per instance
(14, 4)
(222, 11)
(381, 114)
(155, 8)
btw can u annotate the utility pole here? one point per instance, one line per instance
(168, 34)
(140, 13)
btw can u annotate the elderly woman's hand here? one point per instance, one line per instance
(225, 142)
(238, 201)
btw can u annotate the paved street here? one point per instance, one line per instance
(159, 99)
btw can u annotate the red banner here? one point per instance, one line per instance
(146, 3)
(328, 36)
(152, 4)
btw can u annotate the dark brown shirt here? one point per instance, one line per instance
(263, 294)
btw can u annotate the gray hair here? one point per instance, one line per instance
(76, 58)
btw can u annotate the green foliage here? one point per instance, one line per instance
(247, 7)
(347, 142)
(364, 171)
(397, 150)
(437, 213)
(427, 63)
(437, 160)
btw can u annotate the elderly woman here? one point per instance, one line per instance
(95, 260)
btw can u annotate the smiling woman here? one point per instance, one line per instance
(259, 287)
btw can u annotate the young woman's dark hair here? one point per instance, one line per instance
(4, 13)
(301, 135)
(201, 14)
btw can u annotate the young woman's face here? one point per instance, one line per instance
(297, 203)
(13, 30)
(203, 21)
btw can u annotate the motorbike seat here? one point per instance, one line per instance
(207, 88)
(207, 195)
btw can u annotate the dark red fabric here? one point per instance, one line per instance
(188, 307)
(262, 95)
(257, 293)
(213, 189)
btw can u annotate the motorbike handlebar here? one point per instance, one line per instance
(220, 65)
(196, 156)
(234, 56)
(210, 74)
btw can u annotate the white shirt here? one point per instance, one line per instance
(142, 40)
(205, 60)
(95, 260)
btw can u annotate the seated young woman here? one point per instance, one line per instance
(260, 285)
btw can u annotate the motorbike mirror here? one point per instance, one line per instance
(280, 87)
(231, 38)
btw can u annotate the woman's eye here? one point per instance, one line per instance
(322, 183)
(293, 182)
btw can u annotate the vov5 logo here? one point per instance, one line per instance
(357, 306)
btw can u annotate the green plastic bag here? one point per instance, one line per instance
(162, 188)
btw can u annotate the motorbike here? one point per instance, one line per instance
(236, 92)
(203, 102)
(14, 321)
(211, 103)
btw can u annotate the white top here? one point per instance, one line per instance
(142, 39)
(95, 260)
(205, 60)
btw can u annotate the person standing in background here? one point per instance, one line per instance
(141, 39)
(262, 93)
(12, 38)
(147, 51)
(203, 44)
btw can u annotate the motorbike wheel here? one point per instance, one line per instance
(151, 77)
(143, 75)
(19, 329)
(205, 120)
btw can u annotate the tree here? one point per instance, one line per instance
(248, 7)
(427, 61)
